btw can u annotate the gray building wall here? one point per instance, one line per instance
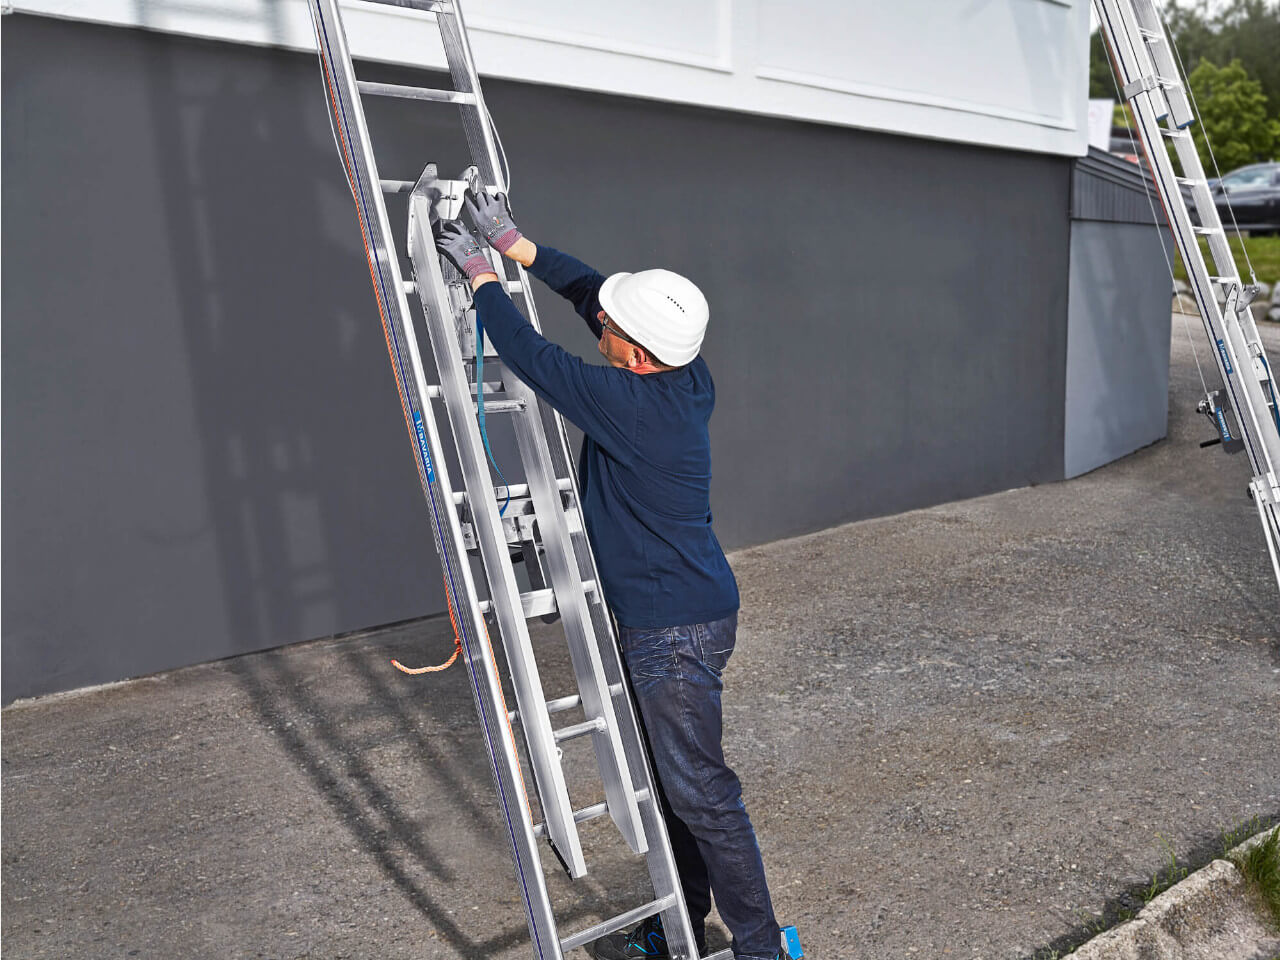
(1117, 389)
(203, 448)
(1117, 344)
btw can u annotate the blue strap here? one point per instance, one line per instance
(484, 435)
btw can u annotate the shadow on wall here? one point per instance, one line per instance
(284, 482)
(275, 352)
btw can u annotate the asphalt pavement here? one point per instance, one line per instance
(965, 731)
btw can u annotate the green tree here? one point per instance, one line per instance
(1233, 114)
(1244, 30)
(1100, 83)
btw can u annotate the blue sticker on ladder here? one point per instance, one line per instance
(422, 446)
(1226, 361)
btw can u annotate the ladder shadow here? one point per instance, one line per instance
(316, 740)
(338, 733)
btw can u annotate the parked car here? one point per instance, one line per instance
(1254, 194)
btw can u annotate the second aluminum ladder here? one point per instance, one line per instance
(1142, 55)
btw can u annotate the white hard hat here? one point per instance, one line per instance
(662, 311)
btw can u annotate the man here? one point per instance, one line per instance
(645, 473)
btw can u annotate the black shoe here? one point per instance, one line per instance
(645, 942)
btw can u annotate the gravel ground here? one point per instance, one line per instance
(963, 732)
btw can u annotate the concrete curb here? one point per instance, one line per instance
(1208, 916)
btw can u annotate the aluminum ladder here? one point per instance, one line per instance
(540, 518)
(1142, 55)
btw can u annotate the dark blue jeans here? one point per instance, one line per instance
(676, 675)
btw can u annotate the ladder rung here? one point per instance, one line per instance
(559, 705)
(517, 491)
(1191, 181)
(579, 730)
(614, 924)
(426, 6)
(515, 286)
(503, 406)
(579, 816)
(591, 812)
(410, 288)
(396, 186)
(436, 392)
(1225, 281)
(415, 93)
(562, 704)
(1205, 231)
(538, 603)
(1179, 134)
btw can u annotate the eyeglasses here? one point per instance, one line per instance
(608, 324)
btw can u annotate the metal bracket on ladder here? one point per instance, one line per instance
(1140, 85)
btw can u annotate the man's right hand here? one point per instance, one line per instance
(463, 250)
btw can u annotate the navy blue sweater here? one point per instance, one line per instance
(645, 466)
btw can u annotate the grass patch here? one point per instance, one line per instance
(1129, 901)
(1260, 866)
(1263, 251)
(1166, 877)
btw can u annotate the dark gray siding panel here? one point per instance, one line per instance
(203, 448)
(1108, 188)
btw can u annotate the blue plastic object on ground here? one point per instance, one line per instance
(791, 943)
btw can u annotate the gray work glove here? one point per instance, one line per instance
(492, 217)
(463, 250)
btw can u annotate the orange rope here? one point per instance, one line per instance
(457, 646)
(415, 671)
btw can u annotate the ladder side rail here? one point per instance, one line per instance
(1249, 360)
(1245, 350)
(1184, 236)
(1246, 354)
(1240, 340)
(361, 168)
(505, 602)
(531, 437)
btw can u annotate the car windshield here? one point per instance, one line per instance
(1251, 177)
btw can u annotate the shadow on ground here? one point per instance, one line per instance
(962, 732)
